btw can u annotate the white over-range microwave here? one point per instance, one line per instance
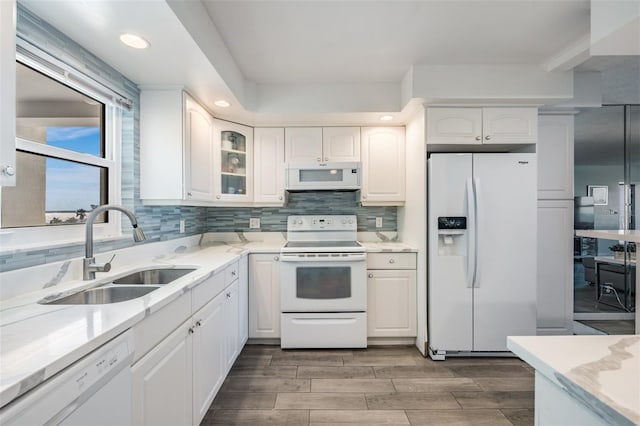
(323, 176)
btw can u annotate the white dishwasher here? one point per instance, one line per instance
(96, 390)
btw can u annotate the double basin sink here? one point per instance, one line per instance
(128, 287)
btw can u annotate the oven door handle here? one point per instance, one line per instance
(304, 259)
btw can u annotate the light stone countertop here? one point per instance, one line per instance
(388, 247)
(631, 235)
(37, 341)
(601, 372)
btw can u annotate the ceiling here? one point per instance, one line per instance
(378, 41)
(280, 54)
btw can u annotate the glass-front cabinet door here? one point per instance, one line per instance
(234, 169)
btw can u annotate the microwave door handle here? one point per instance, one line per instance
(350, 258)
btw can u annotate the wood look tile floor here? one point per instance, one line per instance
(376, 386)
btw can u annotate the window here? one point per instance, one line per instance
(67, 146)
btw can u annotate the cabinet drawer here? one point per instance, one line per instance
(391, 261)
(207, 290)
(150, 331)
(231, 273)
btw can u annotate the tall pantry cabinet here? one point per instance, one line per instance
(555, 224)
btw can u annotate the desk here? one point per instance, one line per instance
(631, 235)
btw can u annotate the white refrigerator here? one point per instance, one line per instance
(481, 251)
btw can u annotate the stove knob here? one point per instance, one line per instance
(350, 221)
(344, 221)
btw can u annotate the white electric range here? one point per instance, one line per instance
(323, 287)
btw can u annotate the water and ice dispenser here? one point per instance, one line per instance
(452, 236)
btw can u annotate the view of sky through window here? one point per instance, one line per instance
(71, 186)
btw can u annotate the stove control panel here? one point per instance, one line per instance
(322, 223)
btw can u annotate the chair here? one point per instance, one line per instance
(589, 264)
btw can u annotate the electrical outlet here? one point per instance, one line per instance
(182, 225)
(378, 222)
(254, 223)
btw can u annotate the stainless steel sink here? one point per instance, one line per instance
(156, 276)
(103, 295)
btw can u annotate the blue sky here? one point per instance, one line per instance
(70, 185)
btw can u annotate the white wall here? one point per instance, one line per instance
(412, 218)
(614, 27)
(514, 84)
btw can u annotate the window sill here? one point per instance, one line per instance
(9, 247)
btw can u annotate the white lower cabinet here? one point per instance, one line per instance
(243, 301)
(555, 267)
(162, 382)
(176, 381)
(230, 314)
(209, 332)
(391, 295)
(264, 296)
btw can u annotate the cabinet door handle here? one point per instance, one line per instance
(370, 275)
(218, 196)
(364, 197)
(318, 159)
(188, 194)
(191, 330)
(488, 137)
(199, 323)
(478, 138)
(228, 295)
(280, 197)
(326, 158)
(9, 170)
(392, 261)
(276, 258)
(233, 273)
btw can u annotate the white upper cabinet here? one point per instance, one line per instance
(8, 93)
(198, 152)
(383, 165)
(341, 143)
(268, 154)
(176, 148)
(161, 145)
(477, 126)
(454, 125)
(509, 125)
(322, 144)
(555, 157)
(233, 169)
(303, 144)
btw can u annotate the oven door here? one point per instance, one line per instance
(323, 282)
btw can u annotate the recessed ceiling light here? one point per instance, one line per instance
(386, 118)
(222, 103)
(134, 41)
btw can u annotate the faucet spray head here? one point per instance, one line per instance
(138, 235)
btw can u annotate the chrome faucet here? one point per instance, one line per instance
(90, 267)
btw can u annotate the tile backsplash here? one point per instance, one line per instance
(162, 223)
(273, 219)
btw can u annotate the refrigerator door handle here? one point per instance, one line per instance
(478, 206)
(471, 233)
